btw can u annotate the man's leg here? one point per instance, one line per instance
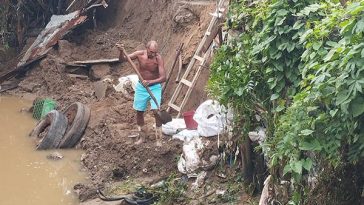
(140, 118)
(141, 129)
(157, 92)
(141, 98)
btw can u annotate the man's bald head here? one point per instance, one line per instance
(152, 45)
(152, 49)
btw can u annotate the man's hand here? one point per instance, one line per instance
(120, 46)
(146, 83)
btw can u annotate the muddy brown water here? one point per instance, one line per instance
(26, 176)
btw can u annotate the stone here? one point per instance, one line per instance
(29, 86)
(184, 15)
(64, 49)
(99, 71)
(55, 156)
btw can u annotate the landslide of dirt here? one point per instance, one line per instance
(109, 153)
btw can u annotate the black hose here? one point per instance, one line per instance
(128, 200)
(105, 198)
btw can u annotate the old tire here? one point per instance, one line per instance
(78, 116)
(56, 123)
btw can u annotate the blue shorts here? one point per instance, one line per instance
(142, 97)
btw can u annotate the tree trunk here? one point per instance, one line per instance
(246, 160)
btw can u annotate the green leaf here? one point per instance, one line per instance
(297, 167)
(279, 21)
(279, 108)
(331, 43)
(313, 145)
(282, 12)
(306, 132)
(333, 112)
(316, 45)
(330, 55)
(341, 97)
(274, 96)
(357, 106)
(307, 164)
(287, 169)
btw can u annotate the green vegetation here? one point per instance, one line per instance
(299, 65)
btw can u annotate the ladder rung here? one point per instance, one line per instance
(174, 107)
(198, 58)
(186, 82)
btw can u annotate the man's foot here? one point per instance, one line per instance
(140, 141)
(140, 135)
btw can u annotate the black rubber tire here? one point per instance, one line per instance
(78, 116)
(57, 124)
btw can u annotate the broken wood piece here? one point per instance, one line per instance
(71, 4)
(197, 3)
(178, 53)
(8, 86)
(77, 76)
(89, 62)
(19, 69)
(179, 69)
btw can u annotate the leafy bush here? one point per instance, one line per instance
(299, 65)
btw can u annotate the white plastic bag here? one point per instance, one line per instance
(190, 159)
(171, 127)
(185, 135)
(127, 83)
(211, 118)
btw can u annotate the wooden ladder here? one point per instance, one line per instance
(201, 55)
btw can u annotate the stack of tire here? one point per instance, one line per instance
(62, 129)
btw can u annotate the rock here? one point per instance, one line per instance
(29, 86)
(99, 71)
(55, 156)
(84, 192)
(100, 88)
(184, 15)
(64, 49)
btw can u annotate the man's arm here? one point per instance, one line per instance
(122, 56)
(132, 56)
(162, 72)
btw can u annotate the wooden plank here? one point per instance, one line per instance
(87, 62)
(77, 76)
(178, 55)
(186, 82)
(211, 37)
(9, 86)
(198, 58)
(179, 69)
(175, 107)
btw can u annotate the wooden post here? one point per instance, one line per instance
(179, 49)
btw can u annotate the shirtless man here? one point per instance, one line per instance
(151, 68)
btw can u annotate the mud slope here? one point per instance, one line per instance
(108, 150)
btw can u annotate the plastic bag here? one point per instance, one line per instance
(127, 85)
(173, 126)
(211, 118)
(185, 135)
(190, 160)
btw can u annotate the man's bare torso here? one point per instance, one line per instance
(148, 67)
